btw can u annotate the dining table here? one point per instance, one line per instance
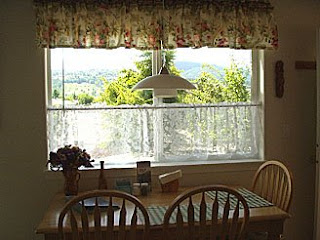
(264, 216)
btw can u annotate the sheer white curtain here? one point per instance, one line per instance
(165, 133)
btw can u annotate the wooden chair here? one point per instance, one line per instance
(273, 182)
(197, 215)
(77, 221)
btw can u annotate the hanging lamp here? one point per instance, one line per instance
(164, 85)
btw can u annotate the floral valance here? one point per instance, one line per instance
(144, 24)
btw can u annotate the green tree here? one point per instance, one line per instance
(235, 81)
(119, 91)
(213, 86)
(56, 93)
(169, 57)
(85, 99)
(209, 88)
(144, 66)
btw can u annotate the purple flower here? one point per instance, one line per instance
(69, 157)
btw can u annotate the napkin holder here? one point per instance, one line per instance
(170, 181)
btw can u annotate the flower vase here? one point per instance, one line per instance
(71, 180)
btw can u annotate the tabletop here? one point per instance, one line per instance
(267, 218)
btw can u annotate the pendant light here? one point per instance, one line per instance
(163, 84)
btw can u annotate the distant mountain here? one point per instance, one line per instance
(192, 70)
(187, 65)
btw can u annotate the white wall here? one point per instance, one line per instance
(25, 190)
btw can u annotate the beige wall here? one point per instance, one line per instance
(25, 190)
(290, 122)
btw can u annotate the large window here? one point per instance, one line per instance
(91, 104)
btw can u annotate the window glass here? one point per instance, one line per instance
(91, 104)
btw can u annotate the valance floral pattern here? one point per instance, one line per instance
(246, 24)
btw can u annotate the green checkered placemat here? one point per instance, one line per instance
(156, 213)
(253, 200)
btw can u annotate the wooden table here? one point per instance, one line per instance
(265, 219)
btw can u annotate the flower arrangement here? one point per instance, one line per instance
(69, 157)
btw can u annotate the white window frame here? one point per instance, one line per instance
(257, 93)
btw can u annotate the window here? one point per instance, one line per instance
(91, 104)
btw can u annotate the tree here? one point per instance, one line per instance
(119, 91)
(84, 99)
(56, 93)
(144, 66)
(213, 86)
(229, 86)
(169, 57)
(209, 88)
(235, 81)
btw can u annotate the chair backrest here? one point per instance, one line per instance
(207, 212)
(273, 182)
(112, 215)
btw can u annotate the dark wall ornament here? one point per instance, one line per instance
(279, 79)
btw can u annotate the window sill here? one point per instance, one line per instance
(188, 168)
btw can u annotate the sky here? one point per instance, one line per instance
(84, 59)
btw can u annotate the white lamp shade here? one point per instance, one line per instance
(164, 84)
(164, 81)
(164, 93)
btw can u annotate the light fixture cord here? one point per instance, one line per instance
(161, 42)
(163, 55)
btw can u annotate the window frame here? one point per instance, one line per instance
(257, 97)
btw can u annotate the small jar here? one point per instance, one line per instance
(136, 189)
